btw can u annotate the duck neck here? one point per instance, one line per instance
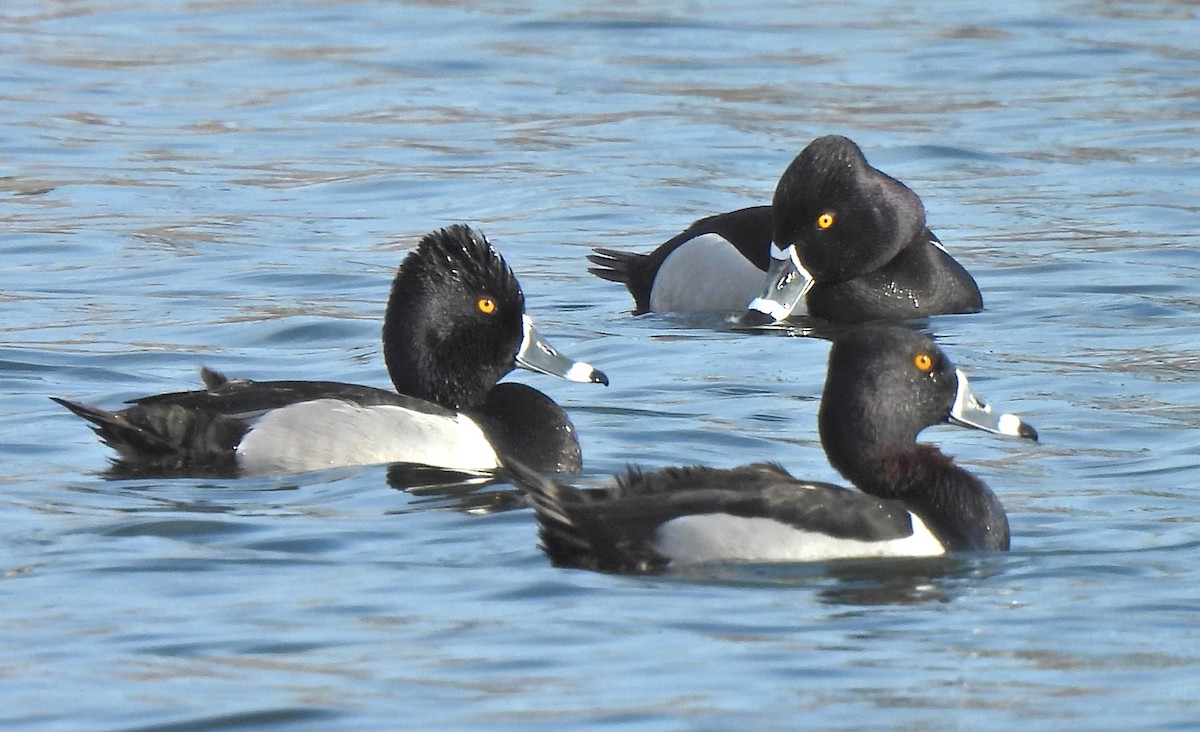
(960, 510)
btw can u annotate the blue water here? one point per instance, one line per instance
(232, 184)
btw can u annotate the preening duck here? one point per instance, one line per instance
(841, 241)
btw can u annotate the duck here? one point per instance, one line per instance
(454, 325)
(884, 385)
(841, 241)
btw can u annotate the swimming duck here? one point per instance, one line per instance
(455, 324)
(841, 241)
(884, 385)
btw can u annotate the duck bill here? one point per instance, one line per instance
(970, 411)
(537, 355)
(787, 284)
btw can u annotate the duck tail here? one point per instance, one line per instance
(116, 430)
(165, 440)
(575, 530)
(630, 269)
(564, 539)
(612, 264)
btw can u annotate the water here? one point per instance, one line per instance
(232, 183)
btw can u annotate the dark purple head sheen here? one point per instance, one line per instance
(844, 217)
(877, 400)
(886, 384)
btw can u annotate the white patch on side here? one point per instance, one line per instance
(706, 273)
(721, 537)
(328, 433)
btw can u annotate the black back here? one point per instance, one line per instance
(921, 280)
(614, 530)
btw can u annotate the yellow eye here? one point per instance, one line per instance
(486, 305)
(825, 220)
(923, 362)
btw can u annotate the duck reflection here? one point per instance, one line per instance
(437, 488)
(863, 582)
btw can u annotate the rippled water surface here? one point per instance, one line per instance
(232, 184)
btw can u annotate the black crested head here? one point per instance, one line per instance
(454, 319)
(844, 217)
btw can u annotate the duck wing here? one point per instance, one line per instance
(629, 527)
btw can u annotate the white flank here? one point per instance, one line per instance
(706, 273)
(721, 537)
(328, 433)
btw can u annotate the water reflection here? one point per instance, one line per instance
(864, 582)
(905, 581)
(433, 488)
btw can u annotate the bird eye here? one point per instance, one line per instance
(825, 220)
(486, 305)
(924, 362)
